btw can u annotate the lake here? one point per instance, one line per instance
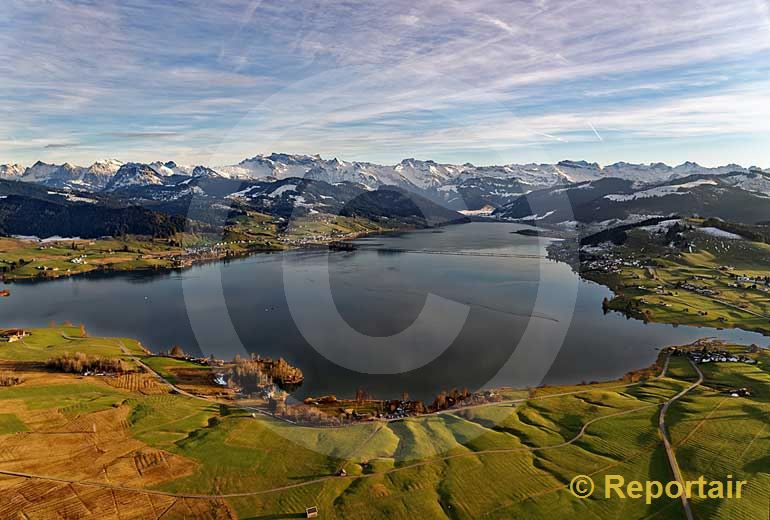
(478, 307)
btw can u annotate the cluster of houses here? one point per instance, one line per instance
(400, 410)
(753, 281)
(314, 239)
(397, 409)
(703, 291)
(609, 264)
(209, 252)
(717, 356)
(706, 355)
(739, 392)
(388, 410)
(12, 335)
(198, 360)
(759, 282)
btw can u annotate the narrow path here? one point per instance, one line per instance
(193, 396)
(667, 442)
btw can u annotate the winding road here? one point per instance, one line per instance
(667, 441)
(577, 437)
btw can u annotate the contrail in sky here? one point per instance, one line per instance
(595, 132)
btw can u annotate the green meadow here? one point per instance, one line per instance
(506, 460)
(45, 343)
(655, 294)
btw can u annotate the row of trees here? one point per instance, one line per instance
(282, 372)
(446, 400)
(9, 379)
(248, 374)
(79, 363)
(307, 414)
(251, 374)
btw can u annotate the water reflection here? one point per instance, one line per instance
(379, 294)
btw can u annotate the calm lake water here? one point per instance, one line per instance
(494, 318)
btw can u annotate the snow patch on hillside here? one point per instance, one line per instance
(661, 191)
(281, 190)
(720, 233)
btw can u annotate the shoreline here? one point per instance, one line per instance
(212, 393)
(619, 300)
(194, 260)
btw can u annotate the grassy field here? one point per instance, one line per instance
(43, 344)
(250, 233)
(187, 376)
(10, 423)
(657, 293)
(507, 460)
(168, 367)
(330, 225)
(717, 435)
(21, 259)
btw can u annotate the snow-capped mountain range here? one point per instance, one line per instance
(462, 187)
(422, 174)
(11, 171)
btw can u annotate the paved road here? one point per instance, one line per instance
(667, 442)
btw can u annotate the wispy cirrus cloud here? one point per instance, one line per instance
(141, 135)
(56, 146)
(489, 80)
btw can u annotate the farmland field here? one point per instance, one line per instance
(28, 258)
(716, 282)
(513, 459)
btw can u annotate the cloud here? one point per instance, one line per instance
(222, 77)
(53, 146)
(497, 22)
(408, 19)
(141, 135)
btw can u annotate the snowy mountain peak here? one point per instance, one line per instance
(106, 165)
(11, 171)
(203, 171)
(579, 164)
(134, 174)
(451, 184)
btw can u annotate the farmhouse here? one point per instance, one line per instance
(11, 335)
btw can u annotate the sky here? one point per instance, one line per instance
(488, 82)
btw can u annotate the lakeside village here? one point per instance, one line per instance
(263, 384)
(708, 351)
(609, 261)
(305, 238)
(176, 260)
(266, 384)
